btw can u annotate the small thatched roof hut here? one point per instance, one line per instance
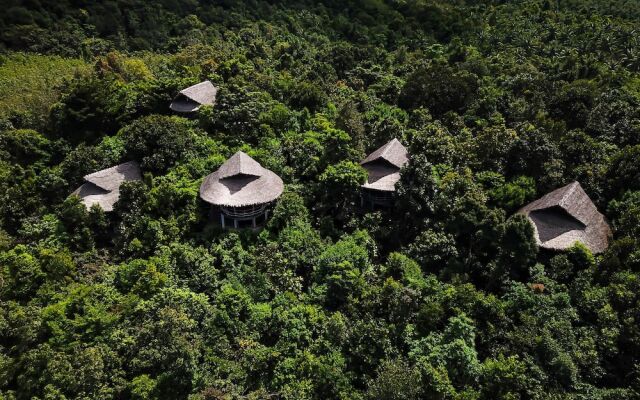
(241, 181)
(193, 97)
(565, 216)
(383, 166)
(103, 187)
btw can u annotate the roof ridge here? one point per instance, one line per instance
(240, 163)
(568, 193)
(571, 188)
(387, 147)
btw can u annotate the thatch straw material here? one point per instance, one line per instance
(383, 166)
(565, 216)
(241, 181)
(103, 187)
(193, 97)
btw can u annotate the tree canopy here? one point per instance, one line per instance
(446, 295)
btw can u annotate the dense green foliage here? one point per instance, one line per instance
(444, 297)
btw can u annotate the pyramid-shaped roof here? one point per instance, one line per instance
(565, 216)
(240, 164)
(103, 187)
(392, 152)
(193, 97)
(203, 92)
(110, 179)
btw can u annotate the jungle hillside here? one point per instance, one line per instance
(445, 294)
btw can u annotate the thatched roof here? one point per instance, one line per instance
(241, 181)
(103, 187)
(393, 152)
(383, 166)
(193, 97)
(240, 164)
(565, 216)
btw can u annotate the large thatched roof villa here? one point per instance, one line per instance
(103, 187)
(243, 190)
(383, 167)
(565, 216)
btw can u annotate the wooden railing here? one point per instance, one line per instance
(378, 197)
(244, 212)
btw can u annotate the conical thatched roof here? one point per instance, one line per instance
(565, 216)
(103, 187)
(240, 164)
(383, 166)
(241, 181)
(193, 97)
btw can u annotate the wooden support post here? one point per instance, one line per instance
(235, 223)
(222, 219)
(253, 220)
